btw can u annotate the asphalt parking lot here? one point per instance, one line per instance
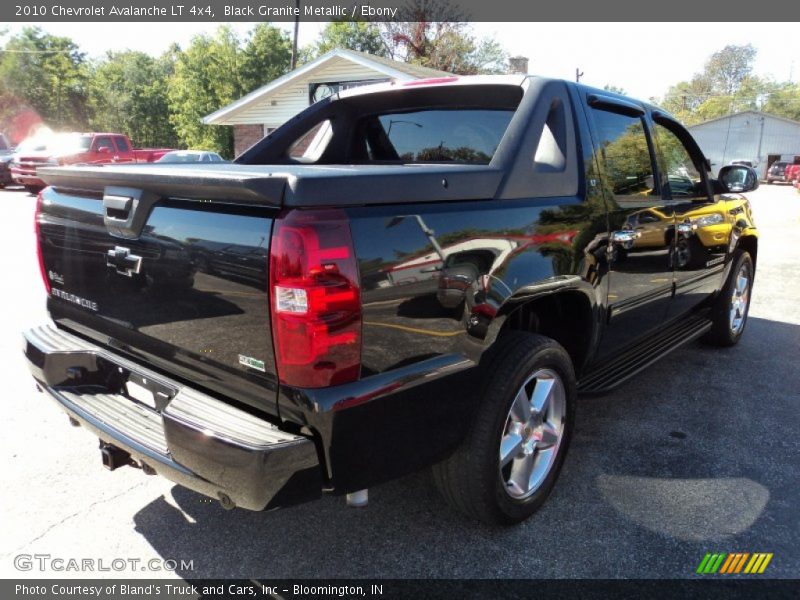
(699, 453)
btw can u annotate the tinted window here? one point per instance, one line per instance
(682, 176)
(103, 142)
(122, 144)
(460, 136)
(624, 153)
(309, 147)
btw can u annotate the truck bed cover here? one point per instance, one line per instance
(289, 185)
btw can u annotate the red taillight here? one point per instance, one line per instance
(39, 242)
(316, 299)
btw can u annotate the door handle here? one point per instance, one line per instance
(624, 236)
(115, 158)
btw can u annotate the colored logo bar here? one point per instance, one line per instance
(731, 563)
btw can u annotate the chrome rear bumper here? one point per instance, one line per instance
(186, 435)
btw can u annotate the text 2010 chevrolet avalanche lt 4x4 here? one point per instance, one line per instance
(404, 276)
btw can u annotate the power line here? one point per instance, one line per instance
(36, 51)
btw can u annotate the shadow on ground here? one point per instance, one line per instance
(698, 453)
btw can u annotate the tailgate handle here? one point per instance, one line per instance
(125, 211)
(117, 207)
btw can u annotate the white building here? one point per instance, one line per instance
(268, 107)
(748, 135)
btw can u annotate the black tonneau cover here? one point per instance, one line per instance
(288, 185)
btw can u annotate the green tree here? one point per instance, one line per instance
(435, 34)
(128, 93)
(726, 85)
(614, 88)
(49, 74)
(363, 36)
(728, 68)
(216, 70)
(267, 55)
(784, 101)
(444, 45)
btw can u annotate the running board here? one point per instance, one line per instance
(612, 372)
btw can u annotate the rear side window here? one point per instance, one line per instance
(468, 136)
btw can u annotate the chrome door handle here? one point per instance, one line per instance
(624, 236)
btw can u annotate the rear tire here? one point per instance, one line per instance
(507, 465)
(33, 189)
(729, 313)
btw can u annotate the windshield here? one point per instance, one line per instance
(32, 145)
(69, 143)
(180, 157)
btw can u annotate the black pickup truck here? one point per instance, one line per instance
(401, 276)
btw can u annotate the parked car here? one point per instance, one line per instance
(75, 149)
(792, 174)
(6, 154)
(745, 162)
(190, 156)
(315, 351)
(777, 172)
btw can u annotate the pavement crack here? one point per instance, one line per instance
(71, 516)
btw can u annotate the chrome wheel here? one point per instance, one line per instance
(740, 298)
(532, 434)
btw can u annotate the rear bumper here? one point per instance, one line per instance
(189, 437)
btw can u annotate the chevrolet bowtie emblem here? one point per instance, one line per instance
(123, 262)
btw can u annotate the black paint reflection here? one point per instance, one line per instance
(200, 289)
(435, 277)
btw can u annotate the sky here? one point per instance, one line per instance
(625, 55)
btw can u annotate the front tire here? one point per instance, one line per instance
(730, 310)
(509, 462)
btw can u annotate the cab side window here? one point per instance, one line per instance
(680, 176)
(625, 154)
(104, 142)
(122, 144)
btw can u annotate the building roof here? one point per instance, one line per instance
(386, 66)
(746, 113)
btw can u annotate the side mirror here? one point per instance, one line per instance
(736, 178)
(103, 150)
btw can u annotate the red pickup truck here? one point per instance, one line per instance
(75, 149)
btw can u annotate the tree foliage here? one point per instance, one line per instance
(216, 70)
(363, 36)
(431, 33)
(445, 45)
(128, 92)
(48, 74)
(727, 85)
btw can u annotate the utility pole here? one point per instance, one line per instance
(578, 74)
(296, 30)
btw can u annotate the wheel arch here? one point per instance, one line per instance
(566, 316)
(749, 243)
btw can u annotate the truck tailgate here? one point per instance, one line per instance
(187, 293)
